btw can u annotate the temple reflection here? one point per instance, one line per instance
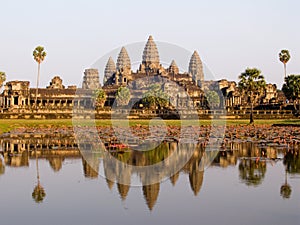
(250, 159)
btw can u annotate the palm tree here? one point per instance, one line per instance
(284, 57)
(39, 55)
(2, 78)
(253, 85)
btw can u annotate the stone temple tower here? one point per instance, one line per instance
(150, 54)
(123, 61)
(110, 69)
(196, 69)
(173, 68)
(91, 79)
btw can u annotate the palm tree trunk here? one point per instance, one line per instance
(284, 70)
(37, 86)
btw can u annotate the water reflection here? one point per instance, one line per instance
(248, 158)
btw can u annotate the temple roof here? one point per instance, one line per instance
(123, 60)
(150, 54)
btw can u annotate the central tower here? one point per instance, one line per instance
(150, 55)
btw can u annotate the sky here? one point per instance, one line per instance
(229, 35)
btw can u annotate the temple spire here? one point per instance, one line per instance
(196, 68)
(110, 69)
(123, 61)
(150, 54)
(173, 68)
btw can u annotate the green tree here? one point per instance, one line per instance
(253, 85)
(291, 89)
(2, 78)
(39, 55)
(100, 97)
(212, 98)
(284, 57)
(155, 97)
(123, 96)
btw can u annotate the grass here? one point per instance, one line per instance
(7, 125)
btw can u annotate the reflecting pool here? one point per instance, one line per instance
(47, 180)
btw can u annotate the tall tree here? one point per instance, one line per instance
(284, 57)
(291, 89)
(123, 96)
(39, 55)
(253, 85)
(2, 78)
(155, 96)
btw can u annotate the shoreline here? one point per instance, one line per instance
(7, 125)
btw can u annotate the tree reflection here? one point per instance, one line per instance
(292, 165)
(285, 190)
(38, 193)
(291, 161)
(2, 167)
(252, 172)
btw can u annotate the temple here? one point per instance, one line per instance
(18, 97)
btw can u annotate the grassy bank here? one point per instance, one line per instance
(10, 124)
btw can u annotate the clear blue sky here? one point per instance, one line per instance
(229, 35)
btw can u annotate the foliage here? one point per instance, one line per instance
(155, 96)
(285, 190)
(284, 57)
(39, 54)
(253, 85)
(2, 78)
(291, 88)
(38, 193)
(123, 96)
(213, 98)
(100, 97)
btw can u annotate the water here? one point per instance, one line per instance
(241, 186)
